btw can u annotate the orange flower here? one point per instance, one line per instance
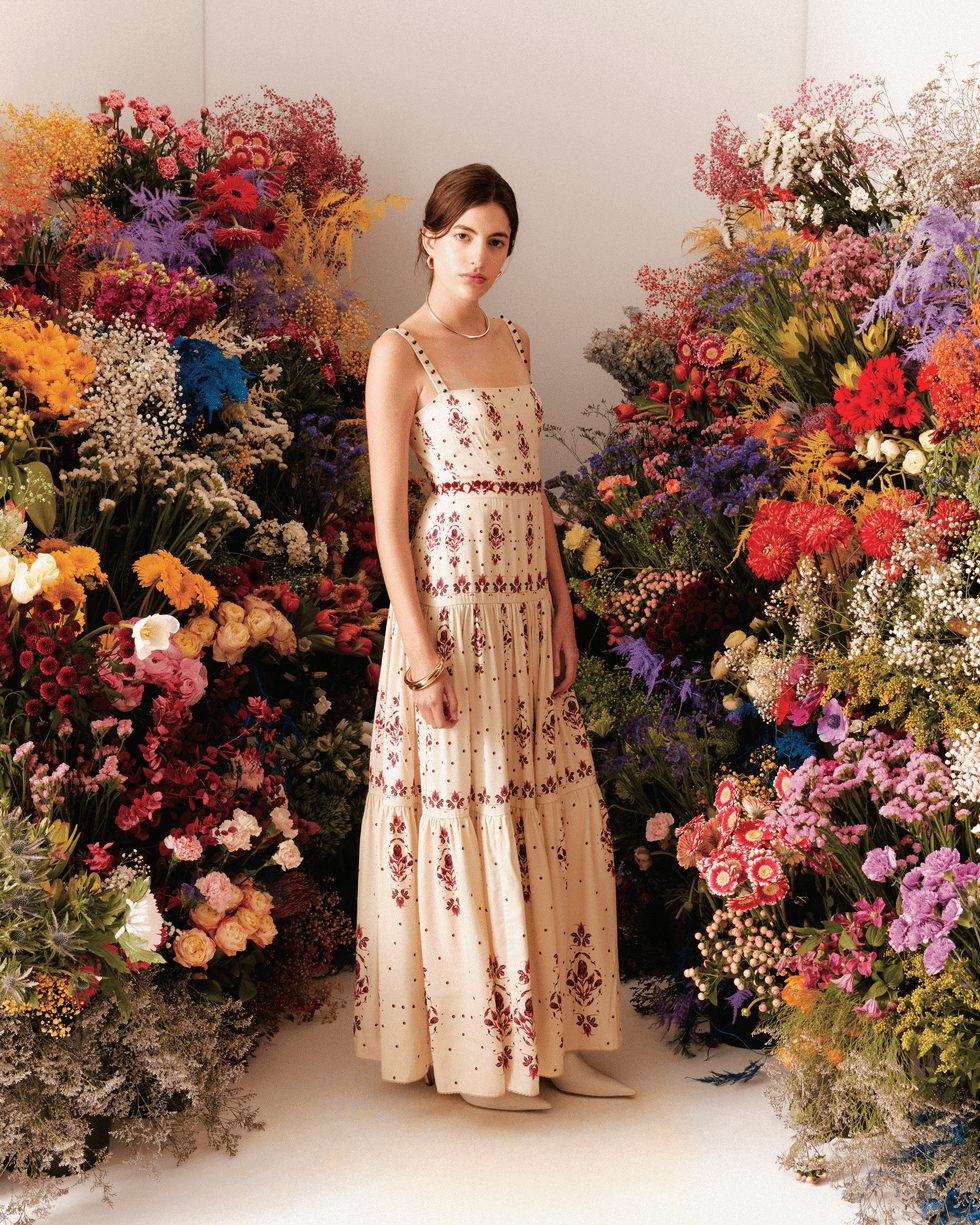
(181, 586)
(799, 996)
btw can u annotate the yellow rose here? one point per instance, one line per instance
(205, 629)
(230, 642)
(229, 612)
(206, 917)
(193, 949)
(259, 622)
(190, 644)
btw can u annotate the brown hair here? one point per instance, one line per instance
(463, 189)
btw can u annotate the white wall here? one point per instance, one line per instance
(594, 113)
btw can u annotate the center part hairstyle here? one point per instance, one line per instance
(463, 189)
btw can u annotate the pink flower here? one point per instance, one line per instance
(192, 680)
(284, 822)
(98, 858)
(219, 893)
(869, 1008)
(288, 856)
(230, 937)
(193, 949)
(184, 847)
(237, 834)
(659, 826)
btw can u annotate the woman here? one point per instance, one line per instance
(486, 913)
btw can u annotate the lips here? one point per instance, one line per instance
(474, 277)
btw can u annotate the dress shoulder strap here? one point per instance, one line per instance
(420, 353)
(517, 339)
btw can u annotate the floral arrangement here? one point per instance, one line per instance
(191, 611)
(777, 540)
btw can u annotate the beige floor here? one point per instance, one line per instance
(339, 1147)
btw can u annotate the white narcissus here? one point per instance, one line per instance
(153, 633)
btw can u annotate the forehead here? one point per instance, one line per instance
(487, 219)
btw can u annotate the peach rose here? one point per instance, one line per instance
(257, 900)
(191, 645)
(204, 627)
(206, 918)
(230, 642)
(264, 933)
(193, 949)
(283, 635)
(259, 622)
(229, 612)
(246, 919)
(231, 937)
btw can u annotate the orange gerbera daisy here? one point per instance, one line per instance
(181, 586)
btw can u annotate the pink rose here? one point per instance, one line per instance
(206, 917)
(231, 937)
(159, 667)
(193, 949)
(283, 635)
(192, 680)
(265, 932)
(288, 856)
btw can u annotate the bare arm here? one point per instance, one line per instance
(391, 395)
(563, 641)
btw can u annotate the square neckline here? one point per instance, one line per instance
(439, 383)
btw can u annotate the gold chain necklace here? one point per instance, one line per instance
(465, 335)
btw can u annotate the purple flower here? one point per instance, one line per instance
(942, 860)
(879, 862)
(832, 724)
(934, 958)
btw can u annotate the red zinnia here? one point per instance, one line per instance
(880, 531)
(772, 551)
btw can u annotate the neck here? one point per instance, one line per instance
(463, 317)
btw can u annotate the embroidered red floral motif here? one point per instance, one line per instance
(362, 985)
(445, 872)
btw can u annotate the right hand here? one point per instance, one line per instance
(436, 703)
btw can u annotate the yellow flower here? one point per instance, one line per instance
(181, 586)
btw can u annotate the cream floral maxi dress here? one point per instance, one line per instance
(486, 939)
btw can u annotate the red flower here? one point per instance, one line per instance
(952, 517)
(66, 704)
(822, 529)
(658, 392)
(26, 659)
(272, 228)
(880, 531)
(67, 677)
(33, 708)
(772, 551)
(50, 692)
(625, 412)
(49, 665)
(678, 401)
(723, 876)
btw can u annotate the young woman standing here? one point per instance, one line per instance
(486, 913)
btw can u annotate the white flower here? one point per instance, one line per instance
(859, 199)
(927, 441)
(817, 174)
(367, 732)
(890, 449)
(8, 567)
(237, 833)
(731, 702)
(153, 633)
(914, 462)
(143, 922)
(288, 856)
(28, 581)
(816, 215)
(283, 822)
(873, 445)
(271, 373)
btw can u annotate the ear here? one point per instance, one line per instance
(428, 239)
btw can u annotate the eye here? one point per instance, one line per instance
(462, 234)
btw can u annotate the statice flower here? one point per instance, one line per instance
(726, 479)
(932, 903)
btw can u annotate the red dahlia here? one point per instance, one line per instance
(773, 551)
(880, 532)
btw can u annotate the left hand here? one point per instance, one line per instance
(565, 650)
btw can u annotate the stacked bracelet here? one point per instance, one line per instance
(434, 675)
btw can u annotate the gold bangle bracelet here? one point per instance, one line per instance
(426, 680)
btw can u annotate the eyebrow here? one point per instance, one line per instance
(498, 234)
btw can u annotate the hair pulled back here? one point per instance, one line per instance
(464, 189)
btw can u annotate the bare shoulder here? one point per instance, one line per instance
(525, 341)
(394, 377)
